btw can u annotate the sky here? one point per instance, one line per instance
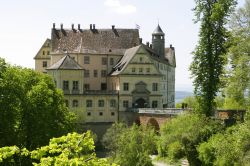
(26, 24)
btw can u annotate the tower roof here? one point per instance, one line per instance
(158, 31)
(66, 63)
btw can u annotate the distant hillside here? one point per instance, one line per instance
(180, 95)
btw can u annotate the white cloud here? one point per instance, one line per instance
(117, 7)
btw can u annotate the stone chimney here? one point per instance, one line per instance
(54, 26)
(79, 27)
(90, 26)
(72, 26)
(61, 26)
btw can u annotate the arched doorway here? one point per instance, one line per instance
(152, 122)
(140, 103)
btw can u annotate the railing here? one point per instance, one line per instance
(170, 111)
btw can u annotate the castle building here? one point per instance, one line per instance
(104, 72)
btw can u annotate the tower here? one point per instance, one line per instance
(158, 41)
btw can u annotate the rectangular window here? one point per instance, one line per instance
(112, 114)
(103, 86)
(86, 87)
(111, 61)
(65, 85)
(148, 70)
(112, 103)
(100, 103)
(100, 113)
(104, 61)
(125, 103)
(125, 86)
(48, 52)
(103, 73)
(133, 69)
(155, 87)
(154, 104)
(75, 85)
(43, 52)
(89, 103)
(86, 73)
(95, 73)
(86, 60)
(75, 103)
(140, 70)
(45, 64)
(89, 113)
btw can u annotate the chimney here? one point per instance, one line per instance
(90, 26)
(170, 45)
(79, 27)
(54, 26)
(72, 26)
(113, 27)
(147, 44)
(93, 26)
(61, 26)
(150, 45)
(140, 40)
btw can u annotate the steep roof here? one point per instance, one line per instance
(121, 65)
(158, 31)
(94, 41)
(67, 63)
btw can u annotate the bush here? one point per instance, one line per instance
(183, 134)
(229, 148)
(175, 151)
(130, 145)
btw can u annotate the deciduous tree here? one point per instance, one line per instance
(209, 55)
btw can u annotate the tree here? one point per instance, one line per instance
(238, 88)
(209, 55)
(72, 149)
(130, 145)
(32, 109)
(180, 137)
(228, 148)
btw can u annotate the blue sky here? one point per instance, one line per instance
(25, 24)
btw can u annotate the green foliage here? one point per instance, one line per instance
(130, 145)
(229, 148)
(237, 89)
(32, 109)
(175, 151)
(72, 149)
(181, 135)
(209, 55)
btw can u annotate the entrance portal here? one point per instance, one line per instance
(140, 103)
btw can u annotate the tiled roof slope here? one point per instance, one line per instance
(67, 63)
(94, 41)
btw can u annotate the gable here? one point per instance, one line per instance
(141, 64)
(44, 51)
